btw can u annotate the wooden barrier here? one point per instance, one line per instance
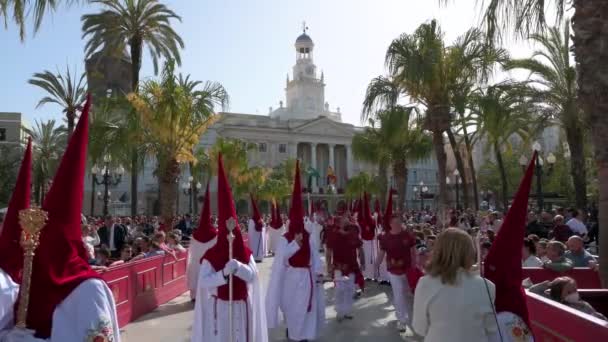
(141, 286)
(586, 278)
(555, 322)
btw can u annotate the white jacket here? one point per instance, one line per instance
(455, 313)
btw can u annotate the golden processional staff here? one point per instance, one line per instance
(230, 225)
(32, 222)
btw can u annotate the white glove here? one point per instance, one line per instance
(231, 267)
(19, 335)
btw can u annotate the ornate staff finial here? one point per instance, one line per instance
(32, 222)
(230, 224)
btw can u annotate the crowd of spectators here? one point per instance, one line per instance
(113, 241)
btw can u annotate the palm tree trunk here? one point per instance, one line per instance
(574, 136)
(168, 192)
(382, 171)
(503, 176)
(441, 164)
(469, 147)
(400, 172)
(460, 167)
(136, 46)
(590, 52)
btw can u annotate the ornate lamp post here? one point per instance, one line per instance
(551, 159)
(423, 189)
(108, 178)
(190, 189)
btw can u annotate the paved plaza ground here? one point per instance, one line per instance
(374, 319)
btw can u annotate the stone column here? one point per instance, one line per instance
(349, 162)
(313, 163)
(293, 149)
(331, 156)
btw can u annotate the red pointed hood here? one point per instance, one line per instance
(296, 224)
(368, 229)
(257, 218)
(503, 266)
(218, 255)
(388, 212)
(61, 260)
(296, 212)
(276, 222)
(11, 253)
(206, 231)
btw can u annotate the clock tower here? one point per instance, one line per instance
(305, 92)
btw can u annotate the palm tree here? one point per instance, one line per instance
(48, 141)
(64, 90)
(234, 153)
(361, 183)
(590, 54)
(173, 119)
(133, 23)
(399, 140)
(554, 81)
(502, 111)
(21, 8)
(427, 72)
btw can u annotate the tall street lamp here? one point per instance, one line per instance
(108, 178)
(190, 189)
(457, 181)
(538, 169)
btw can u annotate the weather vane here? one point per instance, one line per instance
(304, 27)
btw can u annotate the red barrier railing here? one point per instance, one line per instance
(141, 286)
(555, 322)
(586, 278)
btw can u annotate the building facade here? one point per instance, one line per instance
(11, 129)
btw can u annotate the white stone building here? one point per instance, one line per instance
(304, 128)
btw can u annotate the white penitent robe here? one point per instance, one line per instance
(9, 291)
(273, 238)
(257, 243)
(316, 233)
(289, 292)
(211, 315)
(86, 314)
(370, 250)
(196, 251)
(512, 329)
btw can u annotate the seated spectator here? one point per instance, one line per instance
(534, 227)
(126, 254)
(173, 242)
(160, 239)
(577, 253)
(576, 225)
(560, 232)
(102, 257)
(534, 238)
(564, 291)
(541, 249)
(557, 261)
(529, 258)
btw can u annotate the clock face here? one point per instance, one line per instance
(309, 70)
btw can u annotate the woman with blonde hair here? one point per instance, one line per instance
(452, 302)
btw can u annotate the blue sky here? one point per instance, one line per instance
(247, 45)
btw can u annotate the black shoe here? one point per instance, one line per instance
(348, 317)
